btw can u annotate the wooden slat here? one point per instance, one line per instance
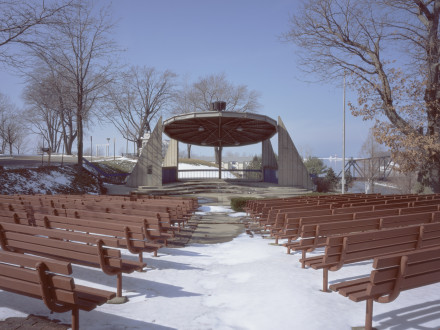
(34, 290)
(55, 266)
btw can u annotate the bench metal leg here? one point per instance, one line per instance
(325, 280)
(303, 260)
(119, 285)
(75, 319)
(369, 315)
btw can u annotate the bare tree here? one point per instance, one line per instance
(21, 23)
(390, 51)
(212, 88)
(51, 112)
(21, 143)
(140, 95)
(83, 54)
(42, 113)
(13, 131)
(12, 127)
(370, 166)
(4, 110)
(201, 94)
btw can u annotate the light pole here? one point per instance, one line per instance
(108, 147)
(114, 148)
(343, 140)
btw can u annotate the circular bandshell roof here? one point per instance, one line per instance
(220, 129)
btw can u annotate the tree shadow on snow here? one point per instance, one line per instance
(156, 289)
(156, 263)
(132, 285)
(180, 252)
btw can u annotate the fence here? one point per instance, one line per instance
(231, 174)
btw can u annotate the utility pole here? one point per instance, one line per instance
(343, 140)
(108, 147)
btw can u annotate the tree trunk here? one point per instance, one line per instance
(433, 174)
(80, 137)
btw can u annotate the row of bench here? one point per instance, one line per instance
(401, 233)
(40, 240)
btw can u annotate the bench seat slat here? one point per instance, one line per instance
(88, 297)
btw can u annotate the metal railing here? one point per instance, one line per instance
(228, 174)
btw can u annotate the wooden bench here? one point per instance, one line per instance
(47, 206)
(154, 228)
(50, 281)
(287, 227)
(181, 208)
(166, 215)
(315, 235)
(178, 215)
(294, 228)
(291, 222)
(311, 227)
(76, 248)
(130, 236)
(340, 202)
(135, 236)
(391, 275)
(351, 248)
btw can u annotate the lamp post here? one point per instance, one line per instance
(114, 148)
(343, 140)
(108, 147)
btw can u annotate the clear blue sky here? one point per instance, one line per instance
(240, 38)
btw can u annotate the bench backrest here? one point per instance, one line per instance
(345, 227)
(39, 278)
(60, 244)
(404, 271)
(367, 245)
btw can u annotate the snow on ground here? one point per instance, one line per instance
(213, 209)
(38, 183)
(247, 283)
(213, 173)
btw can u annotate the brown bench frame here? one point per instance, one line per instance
(391, 275)
(82, 249)
(351, 248)
(50, 281)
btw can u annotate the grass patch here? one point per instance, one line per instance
(238, 203)
(115, 166)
